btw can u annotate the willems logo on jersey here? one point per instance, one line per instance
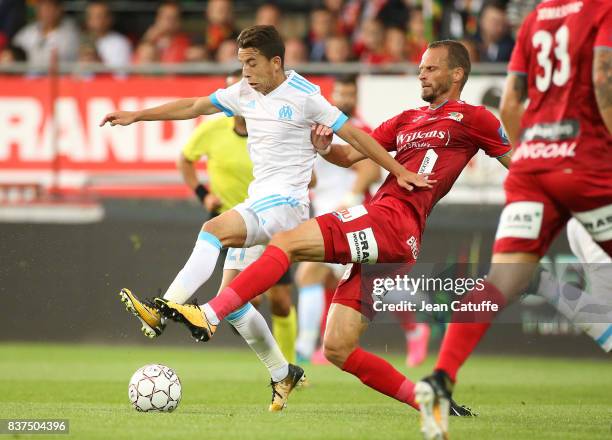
(285, 113)
(364, 248)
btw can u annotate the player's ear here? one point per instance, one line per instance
(277, 62)
(458, 74)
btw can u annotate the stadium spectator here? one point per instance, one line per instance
(395, 44)
(51, 31)
(321, 27)
(227, 52)
(12, 54)
(458, 19)
(268, 14)
(338, 49)
(166, 35)
(356, 13)
(472, 49)
(113, 49)
(220, 24)
(88, 52)
(493, 39)
(370, 49)
(416, 43)
(296, 52)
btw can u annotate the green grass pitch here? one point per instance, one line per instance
(225, 396)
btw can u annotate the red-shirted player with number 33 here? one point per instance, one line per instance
(561, 167)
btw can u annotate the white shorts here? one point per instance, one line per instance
(240, 258)
(268, 215)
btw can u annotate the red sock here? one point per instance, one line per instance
(254, 280)
(380, 375)
(466, 330)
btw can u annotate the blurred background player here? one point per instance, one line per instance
(561, 167)
(337, 189)
(230, 171)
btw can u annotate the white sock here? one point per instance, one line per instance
(255, 331)
(197, 270)
(591, 314)
(310, 310)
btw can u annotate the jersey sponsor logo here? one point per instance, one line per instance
(555, 131)
(364, 248)
(414, 246)
(597, 222)
(428, 162)
(418, 118)
(413, 139)
(285, 113)
(521, 220)
(542, 150)
(349, 214)
(556, 12)
(455, 116)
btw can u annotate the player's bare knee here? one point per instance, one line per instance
(337, 350)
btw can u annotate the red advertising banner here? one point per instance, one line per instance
(66, 150)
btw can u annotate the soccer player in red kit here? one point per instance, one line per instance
(386, 230)
(561, 166)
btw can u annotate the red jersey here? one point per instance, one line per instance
(454, 131)
(561, 126)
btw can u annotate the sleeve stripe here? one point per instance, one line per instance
(339, 122)
(297, 78)
(216, 103)
(300, 87)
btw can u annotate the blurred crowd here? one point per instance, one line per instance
(333, 31)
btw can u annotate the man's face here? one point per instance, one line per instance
(434, 74)
(48, 13)
(98, 18)
(257, 69)
(493, 24)
(344, 96)
(168, 19)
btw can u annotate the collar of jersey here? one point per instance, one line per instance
(446, 101)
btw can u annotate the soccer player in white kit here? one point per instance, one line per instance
(280, 109)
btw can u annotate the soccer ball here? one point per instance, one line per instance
(154, 388)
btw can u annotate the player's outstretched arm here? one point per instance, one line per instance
(186, 108)
(341, 155)
(512, 106)
(602, 83)
(367, 145)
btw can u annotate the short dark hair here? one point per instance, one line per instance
(349, 78)
(265, 39)
(458, 56)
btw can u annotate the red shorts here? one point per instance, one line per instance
(539, 205)
(386, 231)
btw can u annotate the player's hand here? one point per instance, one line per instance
(321, 138)
(119, 118)
(211, 202)
(410, 180)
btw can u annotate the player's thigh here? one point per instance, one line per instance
(345, 325)
(530, 220)
(310, 272)
(512, 272)
(229, 227)
(303, 243)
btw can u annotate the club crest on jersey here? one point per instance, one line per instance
(285, 113)
(418, 118)
(456, 116)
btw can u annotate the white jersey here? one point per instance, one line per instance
(279, 132)
(333, 183)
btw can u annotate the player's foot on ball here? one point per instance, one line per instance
(433, 394)
(189, 314)
(282, 388)
(153, 323)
